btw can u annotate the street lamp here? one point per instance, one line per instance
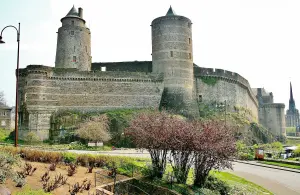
(17, 79)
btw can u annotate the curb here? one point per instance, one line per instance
(262, 165)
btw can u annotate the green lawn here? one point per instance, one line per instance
(239, 185)
(281, 164)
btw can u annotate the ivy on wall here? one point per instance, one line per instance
(209, 80)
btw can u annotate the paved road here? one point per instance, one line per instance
(277, 181)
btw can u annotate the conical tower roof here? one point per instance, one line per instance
(170, 12)
(73, 12)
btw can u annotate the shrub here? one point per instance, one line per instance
(28, 169)
(19, 179)
(69, 157)
(31, 138)
(58, 181)
(7, 160)
(52, 166)
(71, 169)
(216, 184)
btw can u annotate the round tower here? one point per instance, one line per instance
(73, 42)
(172, 55)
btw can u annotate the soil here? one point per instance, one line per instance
(34, 181)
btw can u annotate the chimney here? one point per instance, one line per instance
(80, 12)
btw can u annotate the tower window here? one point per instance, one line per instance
(72, 23)
(200, 98)
(74, 58)
(74, 48)
(189, 40)
(86, 48)
(171, 53)
(190, 56)
(72, 32)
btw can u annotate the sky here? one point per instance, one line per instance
(258, 39)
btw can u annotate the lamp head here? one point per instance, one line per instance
(1, 41)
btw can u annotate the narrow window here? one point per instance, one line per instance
(74, 48)
(190, 56)
(72, 32)
(200, 98)
(171, 53)
(103, 68)
(189, 40)
(86, 48)
(74, 58)
(72, 23)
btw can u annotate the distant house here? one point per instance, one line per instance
(5, 117)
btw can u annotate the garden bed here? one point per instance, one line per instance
(34, 181)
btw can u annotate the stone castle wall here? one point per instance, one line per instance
(47, 90)
(229, 86)
(272, 117)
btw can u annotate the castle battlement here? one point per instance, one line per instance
(274, 105)
(228, 76)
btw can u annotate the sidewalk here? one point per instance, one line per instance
(254, 163)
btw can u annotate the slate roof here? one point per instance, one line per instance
(170, 12)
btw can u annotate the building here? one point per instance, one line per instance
(292, 114)
(5, 117)
(171, 80)
(270, 114)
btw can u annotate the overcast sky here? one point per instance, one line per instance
(259, 39)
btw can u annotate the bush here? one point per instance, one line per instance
(7, 160)
(216, 184)
(31, 138)
(69, 157)
(3, 134)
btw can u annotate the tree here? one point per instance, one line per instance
(151, 131)
(94, 129)
(214, 148)
(2, 98)
(182, 148)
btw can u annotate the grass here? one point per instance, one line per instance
(279, 164)
(293, 140)
(240, 183)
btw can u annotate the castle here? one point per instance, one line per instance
(171, 80)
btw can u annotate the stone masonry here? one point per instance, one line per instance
(171, 80)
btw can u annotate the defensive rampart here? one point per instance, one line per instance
(219, 85)
(46, 90)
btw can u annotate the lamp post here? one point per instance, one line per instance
(17, 80)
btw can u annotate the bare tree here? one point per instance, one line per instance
(95, 129)
(2, 98)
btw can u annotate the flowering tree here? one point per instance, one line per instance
(95, 129)
(214, 147)
(151, 131)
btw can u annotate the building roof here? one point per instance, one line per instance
(170, 12)
(73, 12)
